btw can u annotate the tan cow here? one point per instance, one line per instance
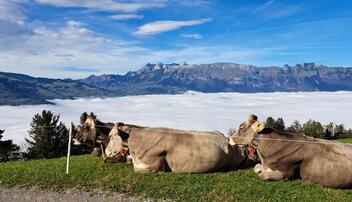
(284, 155)
(96, 134)
(181, 151)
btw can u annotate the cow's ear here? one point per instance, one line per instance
(123, 135)
(251, 119)
(258, 126)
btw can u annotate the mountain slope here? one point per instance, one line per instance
(16, 89)
(228, 77)
(174, 78)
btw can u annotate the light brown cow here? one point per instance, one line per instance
(284, 155)
(96, 134)
(181, 151)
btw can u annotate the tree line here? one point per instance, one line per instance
(310, 128)
(48, 136)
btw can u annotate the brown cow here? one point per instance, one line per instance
(181, 151)
(92, 131)
(97, 134)
(284, 155)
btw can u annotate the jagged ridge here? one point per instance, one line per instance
(177, 78)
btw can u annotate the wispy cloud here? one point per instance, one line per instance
(262, 7)
(73, 45)
(47, 50)
(126, 17)
(193, 2)
(11, 11)
(192, 36)
(280, 12)
(80, 69)
(157, 27)
(272, 10)
(105, 5)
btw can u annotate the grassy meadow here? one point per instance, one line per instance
(90, 173)
(345, 140)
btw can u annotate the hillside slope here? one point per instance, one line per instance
(16, 89)
(227, 77)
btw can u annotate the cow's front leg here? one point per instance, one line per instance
(258, 168)
(269, 174)
(157, 164)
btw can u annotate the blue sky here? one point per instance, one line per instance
(77, 38)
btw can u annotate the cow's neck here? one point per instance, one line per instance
(279, 144)
(129, 128)
(103, 130)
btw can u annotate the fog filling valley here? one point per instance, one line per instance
(190, 111)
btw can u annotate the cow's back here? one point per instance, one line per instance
(329, 164)
(183, 151)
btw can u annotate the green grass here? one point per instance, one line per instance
(89, 173)
(345, 140)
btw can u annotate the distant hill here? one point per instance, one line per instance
(177, 78)
(226, 77)
(18, 89)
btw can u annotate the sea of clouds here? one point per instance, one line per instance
(192, 110)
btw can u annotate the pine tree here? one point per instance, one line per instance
(8, 150)
(295, 127)
(48, 136)
(349, 132)
(329, 131)
(313, 128)
(339, 128)
(279, 124)
(269, 123)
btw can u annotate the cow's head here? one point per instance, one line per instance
(87, 133)
(117, 145)
(247, 131)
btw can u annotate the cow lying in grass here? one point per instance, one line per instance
(284, 155)
(181, 151)
(96, 134)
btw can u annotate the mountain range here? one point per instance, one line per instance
(17, 89)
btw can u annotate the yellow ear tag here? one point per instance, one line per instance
(258, 126)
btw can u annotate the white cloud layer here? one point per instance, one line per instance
(196, 111)
(157, 27)
(11, 11)
(45, 50)
(72, 48)
(126, 17)
(192, 36)
(104, 5)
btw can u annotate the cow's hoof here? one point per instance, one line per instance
(258, 168)
(263, 176)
